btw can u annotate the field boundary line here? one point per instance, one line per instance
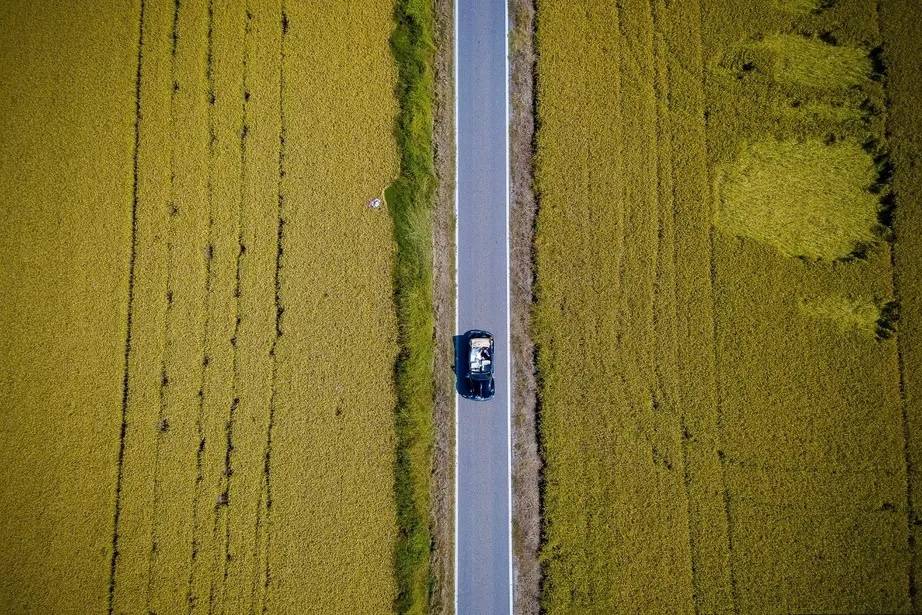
(896, 282)
(113, 564)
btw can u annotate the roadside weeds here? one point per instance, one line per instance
(441, 595)
(410, 200)
(526, 459)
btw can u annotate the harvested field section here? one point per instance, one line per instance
(720, 261)
(67, 77)
(208, 425)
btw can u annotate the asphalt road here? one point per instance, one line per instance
(483, 560)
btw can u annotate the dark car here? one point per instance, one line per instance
(479, 378)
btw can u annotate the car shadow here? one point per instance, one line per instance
(460, 367)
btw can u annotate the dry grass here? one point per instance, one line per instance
(742, 437)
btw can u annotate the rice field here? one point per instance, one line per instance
(727, 313)
(198, 327)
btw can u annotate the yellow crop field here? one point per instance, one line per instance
(199, 328)
(65, 176)
(728, 306)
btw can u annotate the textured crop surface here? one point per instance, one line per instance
(806, 199)
(728, 305)
(198, 322)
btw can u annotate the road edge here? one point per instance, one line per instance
(454, 81)
(506, 155)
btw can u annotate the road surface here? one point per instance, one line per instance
(483, 537)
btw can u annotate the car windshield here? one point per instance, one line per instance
(481, 357)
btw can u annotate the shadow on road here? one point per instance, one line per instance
(460, 367)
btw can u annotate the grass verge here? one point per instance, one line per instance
(410, 200)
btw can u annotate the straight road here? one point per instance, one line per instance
(483, 565)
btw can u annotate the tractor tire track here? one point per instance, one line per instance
(713, 357)
(721, 454)
(238, 291)
(279, 307)
(191, 597)
(912, 519)
(713, 580)
(667, 254)
(230, 29)
(113, 562)
(162, 418)
(672, 60)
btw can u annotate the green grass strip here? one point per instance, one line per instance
(410, 201)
